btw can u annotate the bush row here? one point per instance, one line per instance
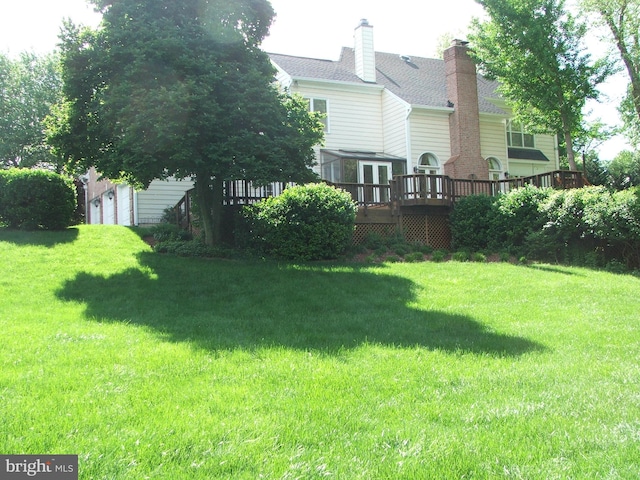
(592, 225)
(34, 199)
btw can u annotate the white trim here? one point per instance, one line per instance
(340, 85)
(327, 118)
(428, 168)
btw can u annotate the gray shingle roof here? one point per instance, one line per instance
(420, 81)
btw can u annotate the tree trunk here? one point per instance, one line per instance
(205, 200)
(216, 210)
(617, 29)
(571, 157)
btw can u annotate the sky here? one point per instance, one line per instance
(317, 29)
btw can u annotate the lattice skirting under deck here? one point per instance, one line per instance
(431, 230)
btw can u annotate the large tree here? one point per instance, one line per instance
(165, 88)
(534, 48)
(29, 86)
(622, 18)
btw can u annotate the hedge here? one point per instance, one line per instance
(36, 199)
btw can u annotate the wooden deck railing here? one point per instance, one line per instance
(421, 189)
(243, 192)
(403, 190)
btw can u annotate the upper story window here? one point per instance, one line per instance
(320, 105)
(518, 137)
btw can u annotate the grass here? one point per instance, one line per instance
(151, 366)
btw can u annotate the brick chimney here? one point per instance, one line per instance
(464, 123)
(364, 53)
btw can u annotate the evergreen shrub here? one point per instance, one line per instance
(36, 199)
(470, 222)
(307, 222)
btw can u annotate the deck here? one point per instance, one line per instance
(407, 198)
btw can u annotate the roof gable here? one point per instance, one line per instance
(418, 81)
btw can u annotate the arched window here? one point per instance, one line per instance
(428, 163)
(495, 168)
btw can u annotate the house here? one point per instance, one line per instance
(120, 204)
(388, 114)
(385, 115)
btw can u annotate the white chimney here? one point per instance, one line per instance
(365, 55)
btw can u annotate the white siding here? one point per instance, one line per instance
(354, 113)
(160, 195)
(547, 144)
(394, 118)
(493, 138)
(523, 168)
(430, 133)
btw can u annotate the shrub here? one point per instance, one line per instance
(34, 199)
(460, 256)
(422, 248)
(306, 222)
(165, 232)
(505, 257)
(618, 224)
(400, 249)
(515, 216)
(381, 250)
(192, 248)
(478, 257)
(439, 256)
(414, 257)
(470, 222)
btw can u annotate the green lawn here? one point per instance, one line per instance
(151, 366)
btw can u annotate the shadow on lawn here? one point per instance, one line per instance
(227, 304)
(44, 238)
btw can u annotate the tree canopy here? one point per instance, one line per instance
(534, 48)
(29, 86)
(622, 19)
(165, 88)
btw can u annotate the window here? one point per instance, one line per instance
(428, 163)
(517, 137)
(495, 168)
(319, 105)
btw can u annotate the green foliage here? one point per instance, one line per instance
(373, 241)
(166, 88)
(505, 257)
(34, 199)
(192, 248)
(460, 256)
(414, 257)
(535, 49)
(307, 222)
(624, 170)
(439, 256)
(515, 216)
(478, 257)
(401, 249)
(622, 19)
(29, 86)
(589, 226)
(570, 215)
(164, 232)
(470, 222)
